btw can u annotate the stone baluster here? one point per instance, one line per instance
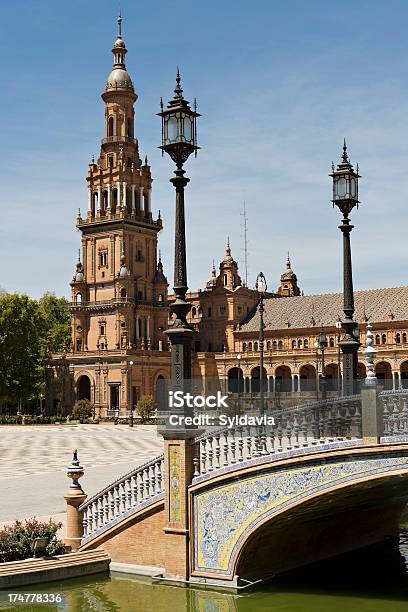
(233, 446)
(146, 482)
(203, 455)
(141, 487)
(217, 451)
(210, 454)
(152, 480)
(241, 445)
(196, 463)
(225, 448)
(117, 500)
(249, 443)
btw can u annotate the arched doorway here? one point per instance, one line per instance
(361, 371)
(283, 379)
(84, 388)
(404, 374)
(307, 375)
(332, 376)
(235, 380)
(384, 374)
(255, 380)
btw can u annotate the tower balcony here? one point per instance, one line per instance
(129, 139)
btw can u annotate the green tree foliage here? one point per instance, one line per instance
(56, 313)
(16, 540)
(145, 408)
(83, 410)
(23, 332)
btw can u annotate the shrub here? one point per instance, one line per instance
(16, 540)
(145, 408)
(83, 410)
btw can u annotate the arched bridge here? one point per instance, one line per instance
(330, 477)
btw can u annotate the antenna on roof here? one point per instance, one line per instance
(244, 225)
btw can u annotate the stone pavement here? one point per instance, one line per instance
(34, 461)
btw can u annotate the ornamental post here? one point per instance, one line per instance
(74, 497)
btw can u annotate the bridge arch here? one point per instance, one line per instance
(234, 518)
(383, 372)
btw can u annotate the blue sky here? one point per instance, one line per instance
(278, 84)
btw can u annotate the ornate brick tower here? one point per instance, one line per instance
(288, 285)
(119, 290)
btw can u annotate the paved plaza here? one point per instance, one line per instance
(34, 461)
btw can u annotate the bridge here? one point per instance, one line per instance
(233, 506)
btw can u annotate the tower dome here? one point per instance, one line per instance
(119, 78)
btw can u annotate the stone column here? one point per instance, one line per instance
(119, 202)
(141, 201)
(89, 199)
(109, 197)
(124, 195)
(293, 382)
(133, 198)
(74, 497)
(99, 206)
(399, 379)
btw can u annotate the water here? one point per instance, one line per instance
(372, 581)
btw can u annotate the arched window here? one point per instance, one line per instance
(280, 344)
(255, 346)
(268, 345)
(193, 312)
(244, 346)
(161, 297)
(300, 343)
(274, 345)
(293, 344)
(123, 292)
(225, 279)
(377, 339)
(110, 126)
(200, 312)
(78, 298)
(398, 338)
(306, 344)
(331, 342)
(249, 346)
(404, 337)
(383, 338)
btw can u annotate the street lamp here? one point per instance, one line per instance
(179, 140)
(261, 288)
(131, 395)
(345, 196)
(338, 326)
(322, 344)
(41, 403)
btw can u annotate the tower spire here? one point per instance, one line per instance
(344, 157)
(120, 24)
(178, 90)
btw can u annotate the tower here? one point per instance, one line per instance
(288, 285)
(113, 301)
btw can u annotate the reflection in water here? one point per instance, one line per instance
(370, 581)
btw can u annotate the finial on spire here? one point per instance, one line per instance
(228, 244)
(146, 162)
(214, 272)
(159, 215)
(120, 24)
(344, 157)
(161, 104)
(369, 353)
(178, 91)
(93, 160)
(79, 255)
(159, 255)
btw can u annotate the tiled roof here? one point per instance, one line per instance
(379, 305)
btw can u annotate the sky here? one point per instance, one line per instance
(278, 84)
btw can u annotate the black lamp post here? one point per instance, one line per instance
(322, 344)
(179, 140)
(345, 196)
(261, 288)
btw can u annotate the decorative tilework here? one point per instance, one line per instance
(174, 485)
(224, 515)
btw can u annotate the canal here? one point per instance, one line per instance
(374, 580)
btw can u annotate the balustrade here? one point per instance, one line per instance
(297, 427)
(395, 412)
(132, 490)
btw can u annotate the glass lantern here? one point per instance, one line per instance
(261, 285)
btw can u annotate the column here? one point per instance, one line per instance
(89, 199)
(137, 331)
(141, 202)
(133, 198)
(293, 382)
(148, 202)
(119, 205)
(109, 197)
(74, 497)
(99, 199)
(148, 327)
(399, 379)
(124, 196)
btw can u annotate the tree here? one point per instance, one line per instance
(56, 313)
(145, 408)
(23, 330)
(83, 410)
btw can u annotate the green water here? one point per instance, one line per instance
(373, 581)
